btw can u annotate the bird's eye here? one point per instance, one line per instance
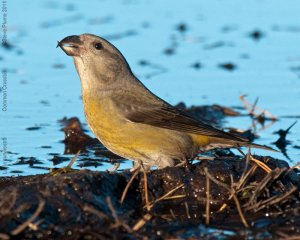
(98, 46)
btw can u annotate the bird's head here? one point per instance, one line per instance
(96, 59)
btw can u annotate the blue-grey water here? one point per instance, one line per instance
(260, 38)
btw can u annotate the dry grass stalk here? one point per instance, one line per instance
(260, 187)
(118, 222)
(35, 226)
(273, 200)
(174, 197)
(6, 204)
(237, 203)
(232, 192)
(257, 114)
(172, 214)
(73, 160)
(4, 236)
(142, 222)
(239, 186)
(261, 164)
(207, 207)
(115, 167)
(65, 169)
(94, 211)
(254, 110)
(165, 196)
(25, 224)
(187, 210)
(238, 206)
(296, 166)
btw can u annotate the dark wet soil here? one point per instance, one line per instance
(86, 204)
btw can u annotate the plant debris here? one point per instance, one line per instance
(229, 193)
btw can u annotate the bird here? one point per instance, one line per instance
(130, 120)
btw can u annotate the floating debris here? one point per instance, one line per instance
(256, 34)
(228, 66)
(157, 68)
(196, 65)
(282, 142)
(182, 27)
(33, 128)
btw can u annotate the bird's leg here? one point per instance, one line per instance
(188, 164)
(145, 186)
(135, 171)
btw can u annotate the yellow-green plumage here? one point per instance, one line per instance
(129, 119)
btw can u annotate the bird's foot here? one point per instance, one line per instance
(139, 166)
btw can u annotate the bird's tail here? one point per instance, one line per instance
(254, 145)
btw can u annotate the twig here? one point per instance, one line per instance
(259, 188)
(254, 107)
(238, 206)
(113, 211)
(243, 178)
(142, 222)
(25, 224)
(34, 226)
(118, 222)
(261, 164)
(187, 210)
(207, 207)
(115, 167)
(4, 236)
(275, 199)
(237, 203)
(65, 169)
(249, 108)
(174, 197)
(237, 146)
(256, 113)
(172, 214)
(165, 195)
(73, 159)
(94, 211)
(296, 166)
(205, 158)
(232, 192)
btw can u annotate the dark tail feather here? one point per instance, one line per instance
(254, 145)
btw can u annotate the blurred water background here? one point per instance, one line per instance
(184, 45)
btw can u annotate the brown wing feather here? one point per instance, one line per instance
(162, 115)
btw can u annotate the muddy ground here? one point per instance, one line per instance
(220, 196)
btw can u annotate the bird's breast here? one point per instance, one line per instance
(133, 140)
(102, 117)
